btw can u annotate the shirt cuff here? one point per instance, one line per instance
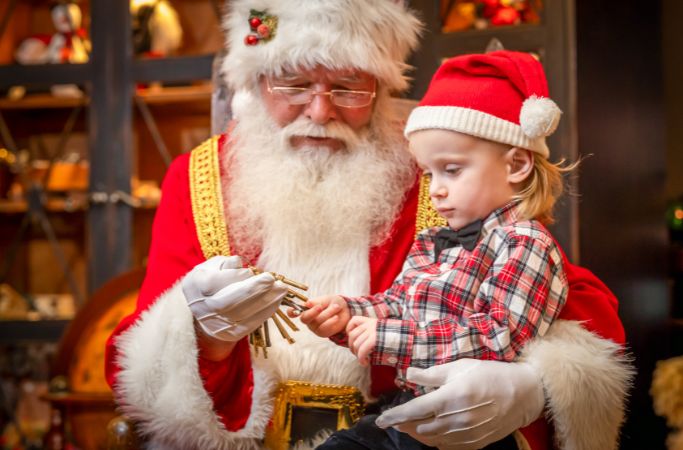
(359, 307)
(394, 345)
(340, 338)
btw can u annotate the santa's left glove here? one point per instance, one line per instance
(229, 301)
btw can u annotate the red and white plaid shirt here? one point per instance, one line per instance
(483, 304)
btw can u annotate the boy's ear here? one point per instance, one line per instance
(520, 163)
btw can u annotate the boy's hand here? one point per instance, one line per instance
(362, 332)
(327, 315)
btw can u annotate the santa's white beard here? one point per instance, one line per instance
(315, 212)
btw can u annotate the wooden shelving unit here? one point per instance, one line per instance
(109, 81)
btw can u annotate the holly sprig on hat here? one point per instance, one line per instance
(262, 25)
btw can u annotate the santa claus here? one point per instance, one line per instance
(312, 180)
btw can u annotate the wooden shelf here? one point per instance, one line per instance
(520, 37)
(31, 330)
(176, 94)
(44, 74)
(180, 68)
(65, 205)
(42, 101)
(52, 205)
(78, 398)
(152, 96)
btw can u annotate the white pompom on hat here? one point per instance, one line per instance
(539, 117)
(375, 36)
(501, 96)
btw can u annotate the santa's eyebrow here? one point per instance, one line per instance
(353, 78)
(288, 76)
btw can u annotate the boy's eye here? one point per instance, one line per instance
(452, 169)
(427, 174)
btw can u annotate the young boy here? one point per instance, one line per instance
(493, 279)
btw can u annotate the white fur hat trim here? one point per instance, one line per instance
(375, 36)
(475, 123)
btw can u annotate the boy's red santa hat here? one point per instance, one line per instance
(501, 96)
(375, 36)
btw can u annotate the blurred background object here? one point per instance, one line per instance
(156, 28)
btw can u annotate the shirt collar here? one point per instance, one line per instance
(505, 215)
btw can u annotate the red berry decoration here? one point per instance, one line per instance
(254, 22)
(251, 39)
(263, 30)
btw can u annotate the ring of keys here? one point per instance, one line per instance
(260, 337)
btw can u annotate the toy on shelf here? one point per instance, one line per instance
(68, 44)
(156, 32)
(156, 28)
(461, 15)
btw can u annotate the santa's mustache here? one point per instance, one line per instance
(303, 126)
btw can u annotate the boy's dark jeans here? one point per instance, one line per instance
(366, 435)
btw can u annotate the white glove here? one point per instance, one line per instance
(477, 403)
(228, 300)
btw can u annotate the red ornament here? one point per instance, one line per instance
(251, 39)
(505, 16)
(490, 8)
(254, 22)
(263, 30)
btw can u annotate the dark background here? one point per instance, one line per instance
(629, 58)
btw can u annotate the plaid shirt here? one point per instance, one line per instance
(483, 304)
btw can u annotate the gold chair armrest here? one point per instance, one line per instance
(121, 434)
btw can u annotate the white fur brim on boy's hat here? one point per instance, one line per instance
(500, 96)
(375, 36)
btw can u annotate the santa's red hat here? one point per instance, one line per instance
(501, 96)
(269, 36)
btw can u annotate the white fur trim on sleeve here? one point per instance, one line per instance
(160, 389)
(586, 380)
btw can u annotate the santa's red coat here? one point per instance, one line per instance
(175, 250)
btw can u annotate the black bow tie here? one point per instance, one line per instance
(466, 236)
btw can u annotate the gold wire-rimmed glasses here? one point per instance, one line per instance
(343, 98)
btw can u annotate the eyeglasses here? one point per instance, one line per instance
(339, 97)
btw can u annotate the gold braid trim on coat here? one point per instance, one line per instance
(207, 199)
(427, 217)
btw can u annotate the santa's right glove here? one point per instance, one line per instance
(477, 403)
(228, 300)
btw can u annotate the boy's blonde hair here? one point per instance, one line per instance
(542, 188)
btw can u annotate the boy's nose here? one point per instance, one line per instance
(436, 189)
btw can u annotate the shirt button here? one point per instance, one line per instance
(392, 360)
